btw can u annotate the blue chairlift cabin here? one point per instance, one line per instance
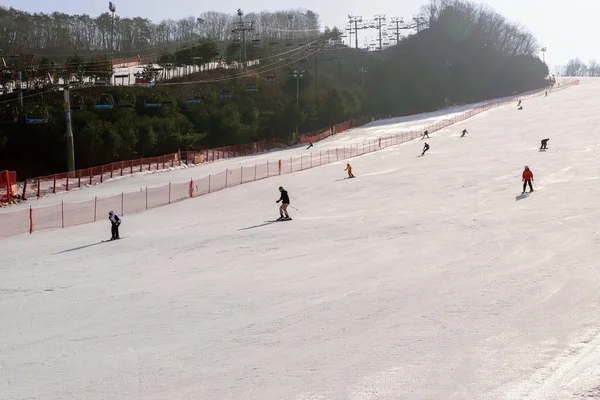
(126, 101)
(251, 87)
(77, 102)
(152, 101)
(104, 102)
(36, 114)
(195, 99)
(9, 113)
(225, 94)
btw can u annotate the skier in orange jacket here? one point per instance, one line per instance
(349, 169)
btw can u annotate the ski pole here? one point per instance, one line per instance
(534, 184)
(294, 208)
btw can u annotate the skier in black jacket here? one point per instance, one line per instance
(115, 222)
(285, 202)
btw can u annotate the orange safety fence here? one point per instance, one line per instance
(70, 214)
(66, 181)
(8, 185)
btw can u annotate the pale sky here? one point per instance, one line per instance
(567, 29)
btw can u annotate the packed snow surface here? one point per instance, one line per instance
(423, 278)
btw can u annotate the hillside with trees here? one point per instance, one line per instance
(466, 53)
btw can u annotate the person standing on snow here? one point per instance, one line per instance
(349, 169)
(425, 135)
(425, 148)
(115, 221)
(544, 144)
(285, 202)
(527, 179)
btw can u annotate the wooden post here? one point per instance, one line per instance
(226, 176)
(54, 185)
(95, 208)
(146, 197)
(209, 184)
(31, 220)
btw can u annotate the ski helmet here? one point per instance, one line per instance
(526, 167)
(111, 213)
(280, 188)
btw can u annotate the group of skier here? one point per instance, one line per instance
(284, 199)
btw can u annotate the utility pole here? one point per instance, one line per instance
(448, 64)
(320, 47)
(113, 8)
(397, 29)
(544, 49)
(16, 66)
(68, 127)
(418, 22)
(355, 20)
(362, 71)
(379, 19)
(298, 75)
(243, 27)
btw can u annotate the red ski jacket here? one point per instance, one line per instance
(527, 174)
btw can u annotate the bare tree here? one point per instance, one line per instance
(593, 68)
(575, 67)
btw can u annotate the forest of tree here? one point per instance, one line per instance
(576, 67)
(58, 35)
(467, 51)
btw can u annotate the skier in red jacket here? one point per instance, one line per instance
(527, 178)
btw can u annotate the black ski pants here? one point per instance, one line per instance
(525, 183)
(114, 230)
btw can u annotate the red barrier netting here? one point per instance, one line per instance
(70, 180)
(14, 223)
(8, 185)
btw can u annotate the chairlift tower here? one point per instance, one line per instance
(355, 20)
(397, 29)
(242, 27)
(379, 19)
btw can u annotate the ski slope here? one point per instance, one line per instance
(133, 183)
(423, 278)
